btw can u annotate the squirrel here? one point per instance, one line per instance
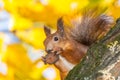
(66, 48)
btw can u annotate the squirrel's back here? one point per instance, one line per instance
(90, 27)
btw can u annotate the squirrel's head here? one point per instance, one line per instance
(54, 43)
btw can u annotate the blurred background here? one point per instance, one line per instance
(22, 35)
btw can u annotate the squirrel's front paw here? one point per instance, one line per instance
(50, 58)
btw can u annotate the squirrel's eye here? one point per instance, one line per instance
(55, 38)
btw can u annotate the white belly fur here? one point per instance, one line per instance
(67, 64)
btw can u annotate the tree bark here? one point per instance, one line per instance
(102, 61)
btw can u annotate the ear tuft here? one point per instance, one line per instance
(60, 22)
(47, 31)
(60, 26)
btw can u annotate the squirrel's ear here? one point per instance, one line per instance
(47, 31)
(60, 27)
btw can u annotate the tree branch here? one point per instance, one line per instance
(102, 61)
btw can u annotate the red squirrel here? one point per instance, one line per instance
(65, 48)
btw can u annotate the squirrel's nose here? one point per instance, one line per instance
(49, 50)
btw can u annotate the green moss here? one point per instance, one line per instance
(95, 59)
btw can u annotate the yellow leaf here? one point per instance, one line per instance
(20, 23)
(33, 36)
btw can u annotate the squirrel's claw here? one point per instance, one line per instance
(44, 59)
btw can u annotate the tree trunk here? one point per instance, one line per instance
(102, 61)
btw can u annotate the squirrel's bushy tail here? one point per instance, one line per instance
(91, 27)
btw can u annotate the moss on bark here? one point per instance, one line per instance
(102, 59)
